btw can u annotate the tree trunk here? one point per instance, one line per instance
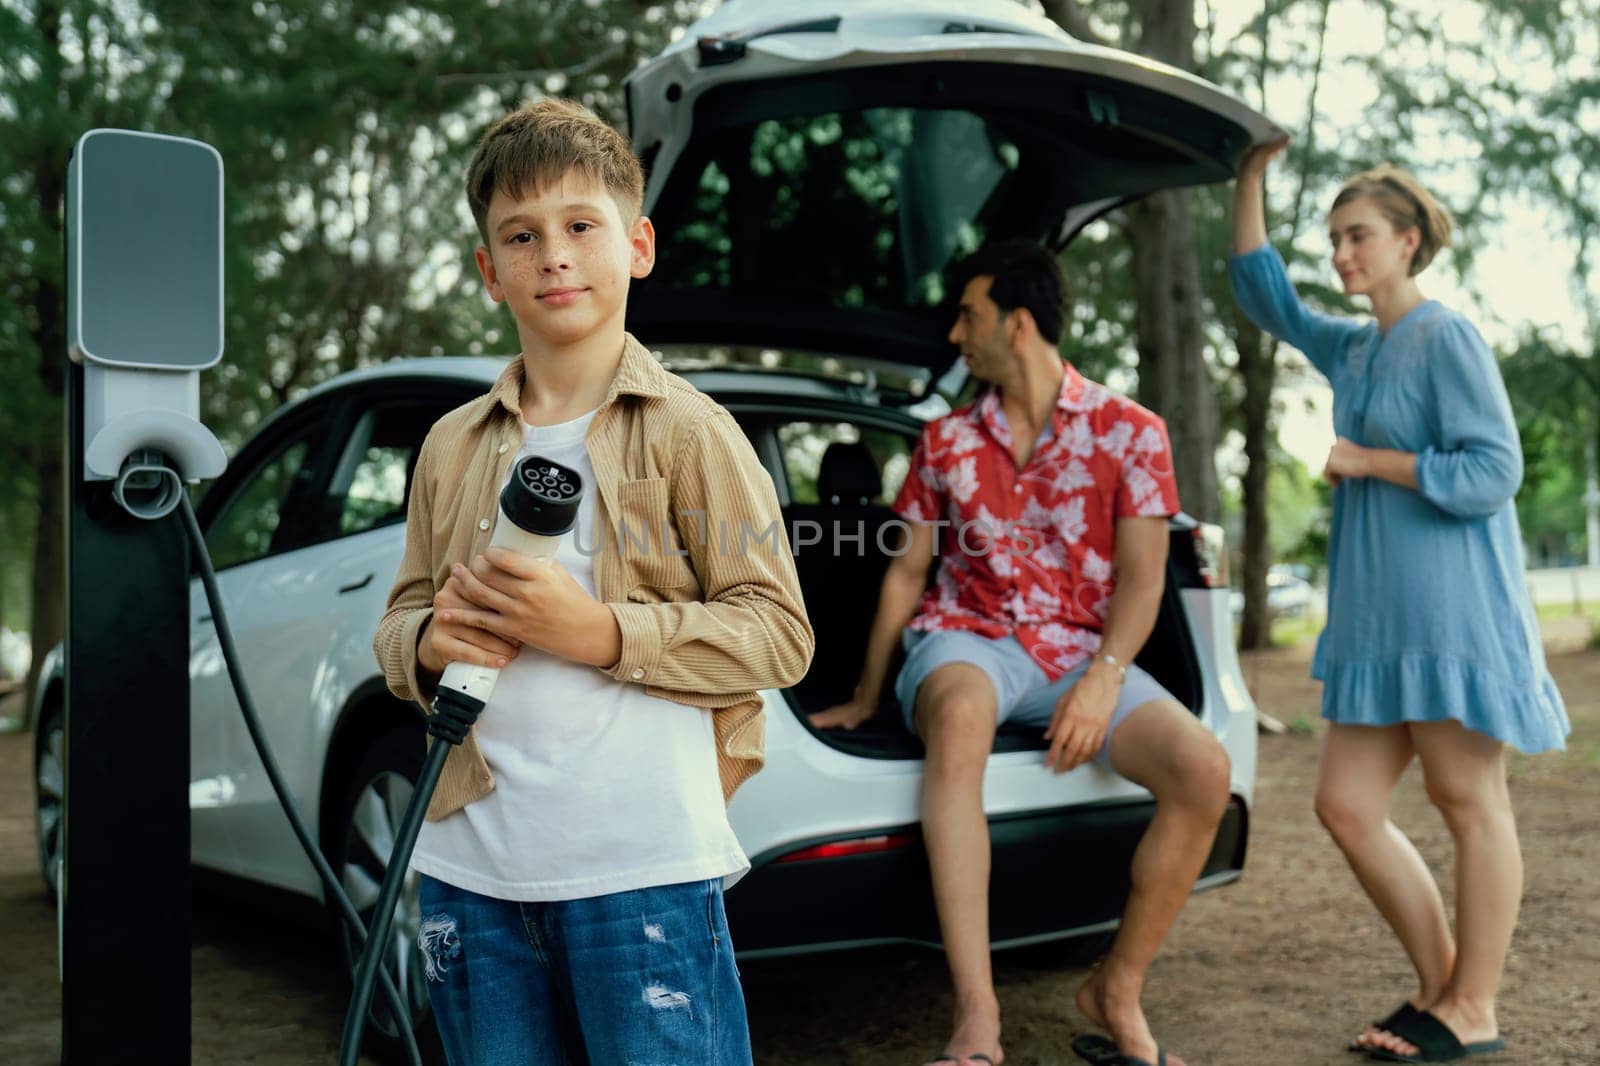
(1257, 368)
(1174, 380)
(49, 563)
(48, 616)
(1167, 31)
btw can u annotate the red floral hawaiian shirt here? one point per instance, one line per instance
(1029, 551)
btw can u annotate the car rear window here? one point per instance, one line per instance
(859, 209)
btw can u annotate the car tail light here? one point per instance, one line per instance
(1211, 551)
(858, 846)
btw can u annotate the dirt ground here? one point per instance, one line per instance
(1276, 970)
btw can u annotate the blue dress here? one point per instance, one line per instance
(1429, 616)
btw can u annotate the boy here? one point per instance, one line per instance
(574, 854)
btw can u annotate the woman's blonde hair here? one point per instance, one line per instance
(1405, 203)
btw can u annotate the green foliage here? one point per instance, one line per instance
(1297, 505)
(1303, 725)
(1504, 114)
(1555, 394)
(345, 129)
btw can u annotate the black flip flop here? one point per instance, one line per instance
(1395, 1017)
(1433, 1040)
(1099, 1051)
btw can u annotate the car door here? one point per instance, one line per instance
(315, 611)
(244, 518)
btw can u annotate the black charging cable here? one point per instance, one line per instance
(451, 729)
(330, 883)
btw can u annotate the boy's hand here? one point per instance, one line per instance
(445, 640)
(535, 602)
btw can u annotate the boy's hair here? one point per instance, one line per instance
(539, 144)
(1026, 274)
(1402, 200)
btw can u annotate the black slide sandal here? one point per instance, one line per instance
(1433, 1040)
(1396, 1016)
(1100, 1051)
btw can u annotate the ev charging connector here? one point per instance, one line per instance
(537, 508)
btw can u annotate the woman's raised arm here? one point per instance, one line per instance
(1249, 209)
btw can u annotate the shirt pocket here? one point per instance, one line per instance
(646, 540)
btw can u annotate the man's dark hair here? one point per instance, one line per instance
(1026, 274)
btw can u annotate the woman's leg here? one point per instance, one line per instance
(1465, 773)
(1360, 765)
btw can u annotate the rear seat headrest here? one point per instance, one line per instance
(848, 476)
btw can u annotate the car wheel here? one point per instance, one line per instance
(376, 793)
(50, 790)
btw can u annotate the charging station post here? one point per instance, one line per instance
(124, 907)
(144, 284)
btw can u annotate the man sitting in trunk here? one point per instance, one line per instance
(1051, 496)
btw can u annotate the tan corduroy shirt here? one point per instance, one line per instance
(708, 622)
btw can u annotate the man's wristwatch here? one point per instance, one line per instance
(1111, 661)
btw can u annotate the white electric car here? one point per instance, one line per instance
(810, 177)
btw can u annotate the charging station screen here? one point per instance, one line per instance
(148, 251)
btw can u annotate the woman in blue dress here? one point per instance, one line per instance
(1431, 649)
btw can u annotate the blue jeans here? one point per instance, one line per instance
(641, 977)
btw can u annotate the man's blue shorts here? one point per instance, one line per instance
(1024, 694)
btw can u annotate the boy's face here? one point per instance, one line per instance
(562, 257)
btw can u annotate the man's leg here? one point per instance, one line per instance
(1161, 746)
(955, 716)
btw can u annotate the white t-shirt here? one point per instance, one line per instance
(599, 787)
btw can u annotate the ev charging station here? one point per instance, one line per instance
(144, 309)
(144, 317)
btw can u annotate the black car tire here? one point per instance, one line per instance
(49, 791)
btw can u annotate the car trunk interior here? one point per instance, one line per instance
(821, 212)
